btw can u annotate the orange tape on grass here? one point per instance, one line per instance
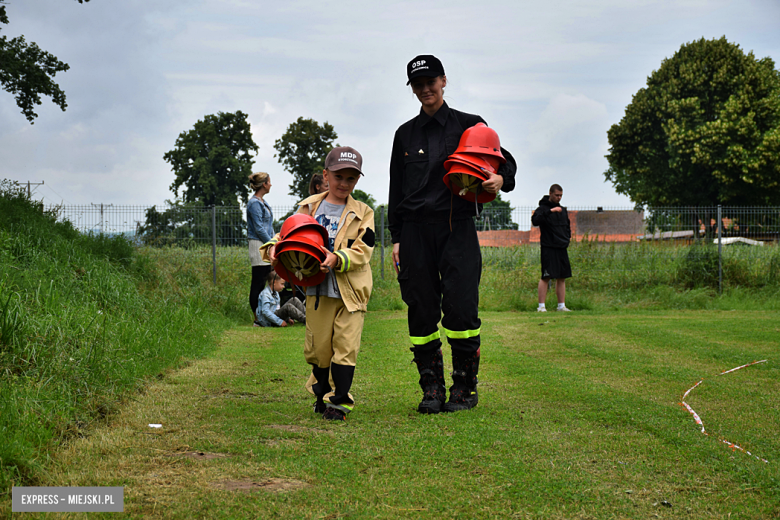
(701, 423)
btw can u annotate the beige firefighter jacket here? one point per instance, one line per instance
(353, 245)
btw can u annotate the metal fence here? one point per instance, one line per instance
(505, 234)
(501, 227)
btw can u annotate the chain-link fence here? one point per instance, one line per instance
(501, 227)
(700, 239)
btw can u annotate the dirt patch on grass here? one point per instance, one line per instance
(200, 455)
(273, 485)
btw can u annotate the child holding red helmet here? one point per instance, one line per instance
(335, 308)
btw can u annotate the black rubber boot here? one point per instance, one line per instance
(321, 388)
(342, 378)
(431, 369)
(463, 392)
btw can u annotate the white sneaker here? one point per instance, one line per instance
(541, 309)
(564, 309)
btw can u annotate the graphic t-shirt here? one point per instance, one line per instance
(329, 216)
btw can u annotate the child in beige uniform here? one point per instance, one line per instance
(335, 309)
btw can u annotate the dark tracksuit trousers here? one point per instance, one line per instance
(439, 274)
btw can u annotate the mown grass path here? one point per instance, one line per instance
(579, 417)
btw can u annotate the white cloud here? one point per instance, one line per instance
(570, 125)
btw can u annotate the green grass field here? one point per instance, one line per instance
(579, 417)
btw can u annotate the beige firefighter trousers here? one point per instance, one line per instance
(332, 335)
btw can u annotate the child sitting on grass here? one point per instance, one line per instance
(270, 313)
(336, 308)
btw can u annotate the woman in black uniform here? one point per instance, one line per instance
(435, 245)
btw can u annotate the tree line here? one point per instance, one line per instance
(212, 163)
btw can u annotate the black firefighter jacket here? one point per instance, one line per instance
(420, 147)
(555, 228)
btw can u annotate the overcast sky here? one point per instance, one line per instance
(550, 77)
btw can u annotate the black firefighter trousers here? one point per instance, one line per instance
(440, 269)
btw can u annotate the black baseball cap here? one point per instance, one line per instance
(426, 65)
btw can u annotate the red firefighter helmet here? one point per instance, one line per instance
(477, 159)
(489, 163)
(301, 221)
(310, 233)
(479, 139)
(299, 261)
(466, 182)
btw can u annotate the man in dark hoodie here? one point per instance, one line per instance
(553, 222)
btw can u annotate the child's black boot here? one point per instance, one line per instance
(321, 388)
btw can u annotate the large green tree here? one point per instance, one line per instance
(302, 150)
(27, 71)
(213, 161)
(705, 131)
(364, 197)
(190, 224)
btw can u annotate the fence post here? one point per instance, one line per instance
(720, 259)
(214, 241)
(382, 239)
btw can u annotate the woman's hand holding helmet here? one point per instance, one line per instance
(494, 182)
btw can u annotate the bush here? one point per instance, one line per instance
(699, 266)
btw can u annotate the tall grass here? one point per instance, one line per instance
(652, 276)
(84, 320)
(609, 276)
(597, 265)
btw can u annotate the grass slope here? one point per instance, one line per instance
(84, 322)
(579, 417)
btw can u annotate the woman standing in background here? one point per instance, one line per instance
(260, 229)
(317, 184)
